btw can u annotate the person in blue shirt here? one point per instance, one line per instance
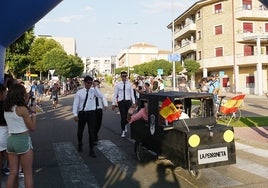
(214, 86)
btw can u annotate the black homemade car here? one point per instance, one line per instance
(194, 143)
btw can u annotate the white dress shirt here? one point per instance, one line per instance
(102, 102)
(119, 92)
(80, 96)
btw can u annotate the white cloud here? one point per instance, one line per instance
(88, 8)
(64, 19)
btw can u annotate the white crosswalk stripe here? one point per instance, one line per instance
(75, 172)
(253, 150)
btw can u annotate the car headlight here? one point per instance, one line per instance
(194, 140)
(228, 136)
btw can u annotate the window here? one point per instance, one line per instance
(218, 8)
(248, 50)
(219, 52)
(218, 29)
(266, 27)
(199, 35)
(247, 4)
(199, 55)
(198, 14)
(247, 27)
(250, 82)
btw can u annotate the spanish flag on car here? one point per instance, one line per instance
(232, 104)
(169, 111)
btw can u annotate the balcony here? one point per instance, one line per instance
(186, 48)
(187, 29)
(241, 36)
(249, 60)
(255, 14)
(227, 61)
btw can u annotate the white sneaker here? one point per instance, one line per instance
(126, 128)
(123, 134)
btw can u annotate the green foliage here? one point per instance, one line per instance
(17, 54)
(248, 122)
(77, 67)
(109, 79)
(191, 66)
(150, 68)
(38, 50)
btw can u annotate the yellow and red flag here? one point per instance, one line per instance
(169, 111)
(232, 104)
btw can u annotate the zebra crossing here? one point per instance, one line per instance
(75, 172)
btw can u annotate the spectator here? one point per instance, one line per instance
(3, 129)
(183, 86)
(20, 120)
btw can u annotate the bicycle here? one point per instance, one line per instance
(226, 110)
(230, 109)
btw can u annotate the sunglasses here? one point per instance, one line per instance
(124, 76)
(179, 107)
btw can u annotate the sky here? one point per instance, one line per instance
(95, 24)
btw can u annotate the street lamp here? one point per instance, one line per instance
(127, 51)
(173, 61)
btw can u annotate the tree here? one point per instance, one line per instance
(63, 64)
(17, 54)
(38, 50)
(58, 60)
(151, 68)
(191, 66)
(77, 67)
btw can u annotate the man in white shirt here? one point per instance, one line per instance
(124, 97)
(101, 104)
(84, 111)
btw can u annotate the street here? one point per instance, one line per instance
(57, 164)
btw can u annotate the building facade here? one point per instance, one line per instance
(229, 37)
(140, 53)
(67, 43)
(94, 66)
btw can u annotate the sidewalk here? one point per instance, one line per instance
(254, 106)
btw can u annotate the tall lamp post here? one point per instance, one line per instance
(173, 61)
(127, 51)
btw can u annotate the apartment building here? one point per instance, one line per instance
(140, 53)
(229, 37)
(67, 43)
(98, 65)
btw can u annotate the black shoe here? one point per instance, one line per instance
(92, 154)
(79, 148)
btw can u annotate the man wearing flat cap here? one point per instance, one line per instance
(84, 106)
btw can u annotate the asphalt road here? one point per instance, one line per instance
(57, 164)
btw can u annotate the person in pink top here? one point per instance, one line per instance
(141, 114)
